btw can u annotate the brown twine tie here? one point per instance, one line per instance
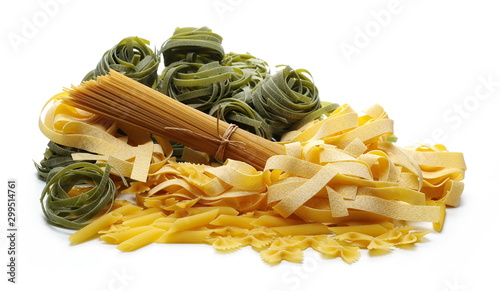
(223, 140)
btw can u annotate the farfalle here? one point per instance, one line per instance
(275, 256)
(258, 237)
(224, 243)
(363, 241)
(333, 249)
(262, 232)
(250, 240)
(411, 238)
(305, 241)
(230, 231)
(284, 243)
(394, 235)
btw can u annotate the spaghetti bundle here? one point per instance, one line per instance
(122, 99)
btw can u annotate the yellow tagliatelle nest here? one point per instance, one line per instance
(340, 187)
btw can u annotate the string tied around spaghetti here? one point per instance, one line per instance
(224, 140)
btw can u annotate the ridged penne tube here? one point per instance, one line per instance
(143, 220)
(165, 219)
(94, 227)
(128, 209)
(193, 221)
(273, 221)
(162, 225)
(186, 236)
(121, 236)
(141, 240)
(230, 220)
(141, 213)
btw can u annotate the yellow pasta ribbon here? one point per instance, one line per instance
(375, 175)
(134, 155)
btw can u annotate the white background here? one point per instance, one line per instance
(423, 61)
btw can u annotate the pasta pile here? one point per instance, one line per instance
(293, 173)
(340, 187)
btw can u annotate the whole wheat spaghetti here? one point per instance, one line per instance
(125, 100)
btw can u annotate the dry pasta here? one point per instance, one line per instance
(143, 220)
(264, 163)
(186, 236)
(193, 221)
(93, 228)
(231, 220)
(339, 188)
(66, 125)
(122, 235)
(140, 240)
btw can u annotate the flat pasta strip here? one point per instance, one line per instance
(304, 192)
(395, 209)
